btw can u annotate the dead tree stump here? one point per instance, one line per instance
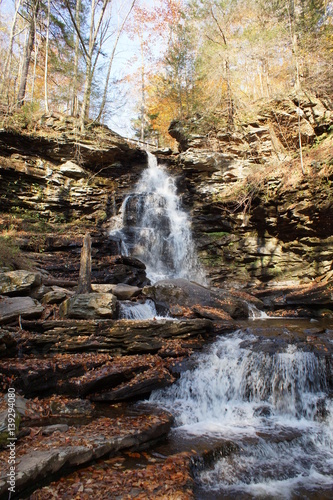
(85, 267)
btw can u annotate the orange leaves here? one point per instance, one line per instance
(168, 480)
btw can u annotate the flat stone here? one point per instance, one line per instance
(89, 306)
(18, 282)
(101, 437)
(13, 307)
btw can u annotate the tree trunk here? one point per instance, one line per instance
(27, 53)
(34, 72)
(75, 104)
(47, 55)
(230, 101)
(94, 30)
(294, 44)
(85, 266)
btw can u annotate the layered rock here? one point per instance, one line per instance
(113, 336)
(56, 173)
(254, 221)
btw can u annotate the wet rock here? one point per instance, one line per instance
(11, 308)
(209, 457)
(180, 292)
(18, 282)
(89, 306)
(72, 407)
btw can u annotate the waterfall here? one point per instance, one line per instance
(134, 310)
(153, 227)
(275, 407)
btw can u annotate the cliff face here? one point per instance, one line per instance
(55, 174)
(257, 218)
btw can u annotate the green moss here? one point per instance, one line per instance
(218, 235)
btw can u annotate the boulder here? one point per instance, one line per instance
(183, 293)
(18, 282)
(72, 170)
(89, 306)
(120, 290)
(13, 307)
(54, 297)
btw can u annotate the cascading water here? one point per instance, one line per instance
(133, 310)
(153, 227)
(274, 407)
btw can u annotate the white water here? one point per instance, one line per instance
(139, 311)
(255, 313)
(257, 400)
(135, 310)
(158, 232)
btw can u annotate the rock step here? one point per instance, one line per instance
(113, 336)
(99, 377)
(39, 455)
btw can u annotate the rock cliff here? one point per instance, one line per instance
(52, 172)
(257, 218)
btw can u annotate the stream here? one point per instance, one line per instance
(260, 413)
(255, 406)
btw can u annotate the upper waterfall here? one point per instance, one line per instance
(154, 228)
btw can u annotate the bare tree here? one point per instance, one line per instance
(34, 8)
(111, 59)
(90, 65)
(47, 54)
(75, 102)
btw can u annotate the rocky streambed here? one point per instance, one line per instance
(78, 381)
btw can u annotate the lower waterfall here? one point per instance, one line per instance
(273, 406)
